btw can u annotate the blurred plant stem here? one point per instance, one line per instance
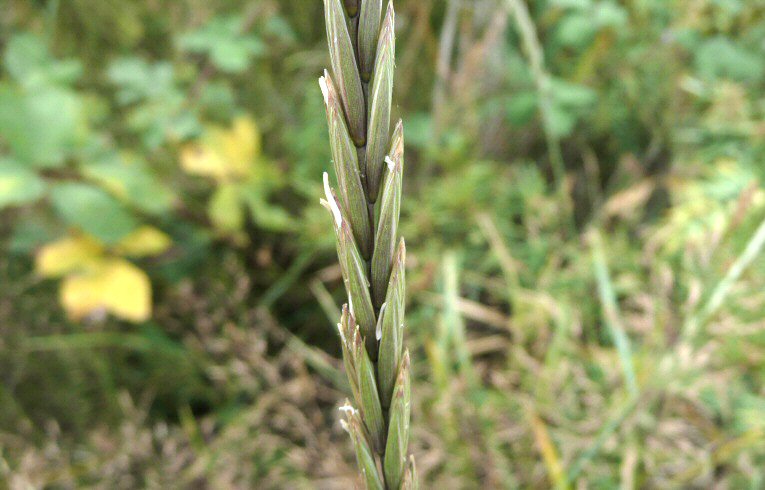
(452, 326)
(543, 84)
(622, 410)
(611, 313)
(547, 449)
(450, 360)
(670, 369)
(288, 278)
(719, 294)
(50, 18)
(443, 62)
(507, 262)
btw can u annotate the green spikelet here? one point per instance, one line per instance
(369, 165)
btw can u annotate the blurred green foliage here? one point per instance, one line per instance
(167, 283)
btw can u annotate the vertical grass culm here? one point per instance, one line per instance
(368, 161)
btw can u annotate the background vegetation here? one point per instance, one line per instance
(583, 218)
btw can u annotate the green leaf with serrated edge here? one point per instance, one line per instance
(364, 456)
(343, 60)
(369, 28)
(371, 409)
(345, 159)
(398, 429)
(387, 226)
(353, 268)
(380, 97)
(391, 329)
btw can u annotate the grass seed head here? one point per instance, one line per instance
(368, 163)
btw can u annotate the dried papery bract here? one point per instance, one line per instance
(369, 163)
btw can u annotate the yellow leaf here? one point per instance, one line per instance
(201, 160)
(66, 255)
(243, 142)
(144, 241)
(115, 286)
(224, 154)
(547, 449)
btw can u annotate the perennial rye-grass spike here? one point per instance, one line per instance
(369, 160)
